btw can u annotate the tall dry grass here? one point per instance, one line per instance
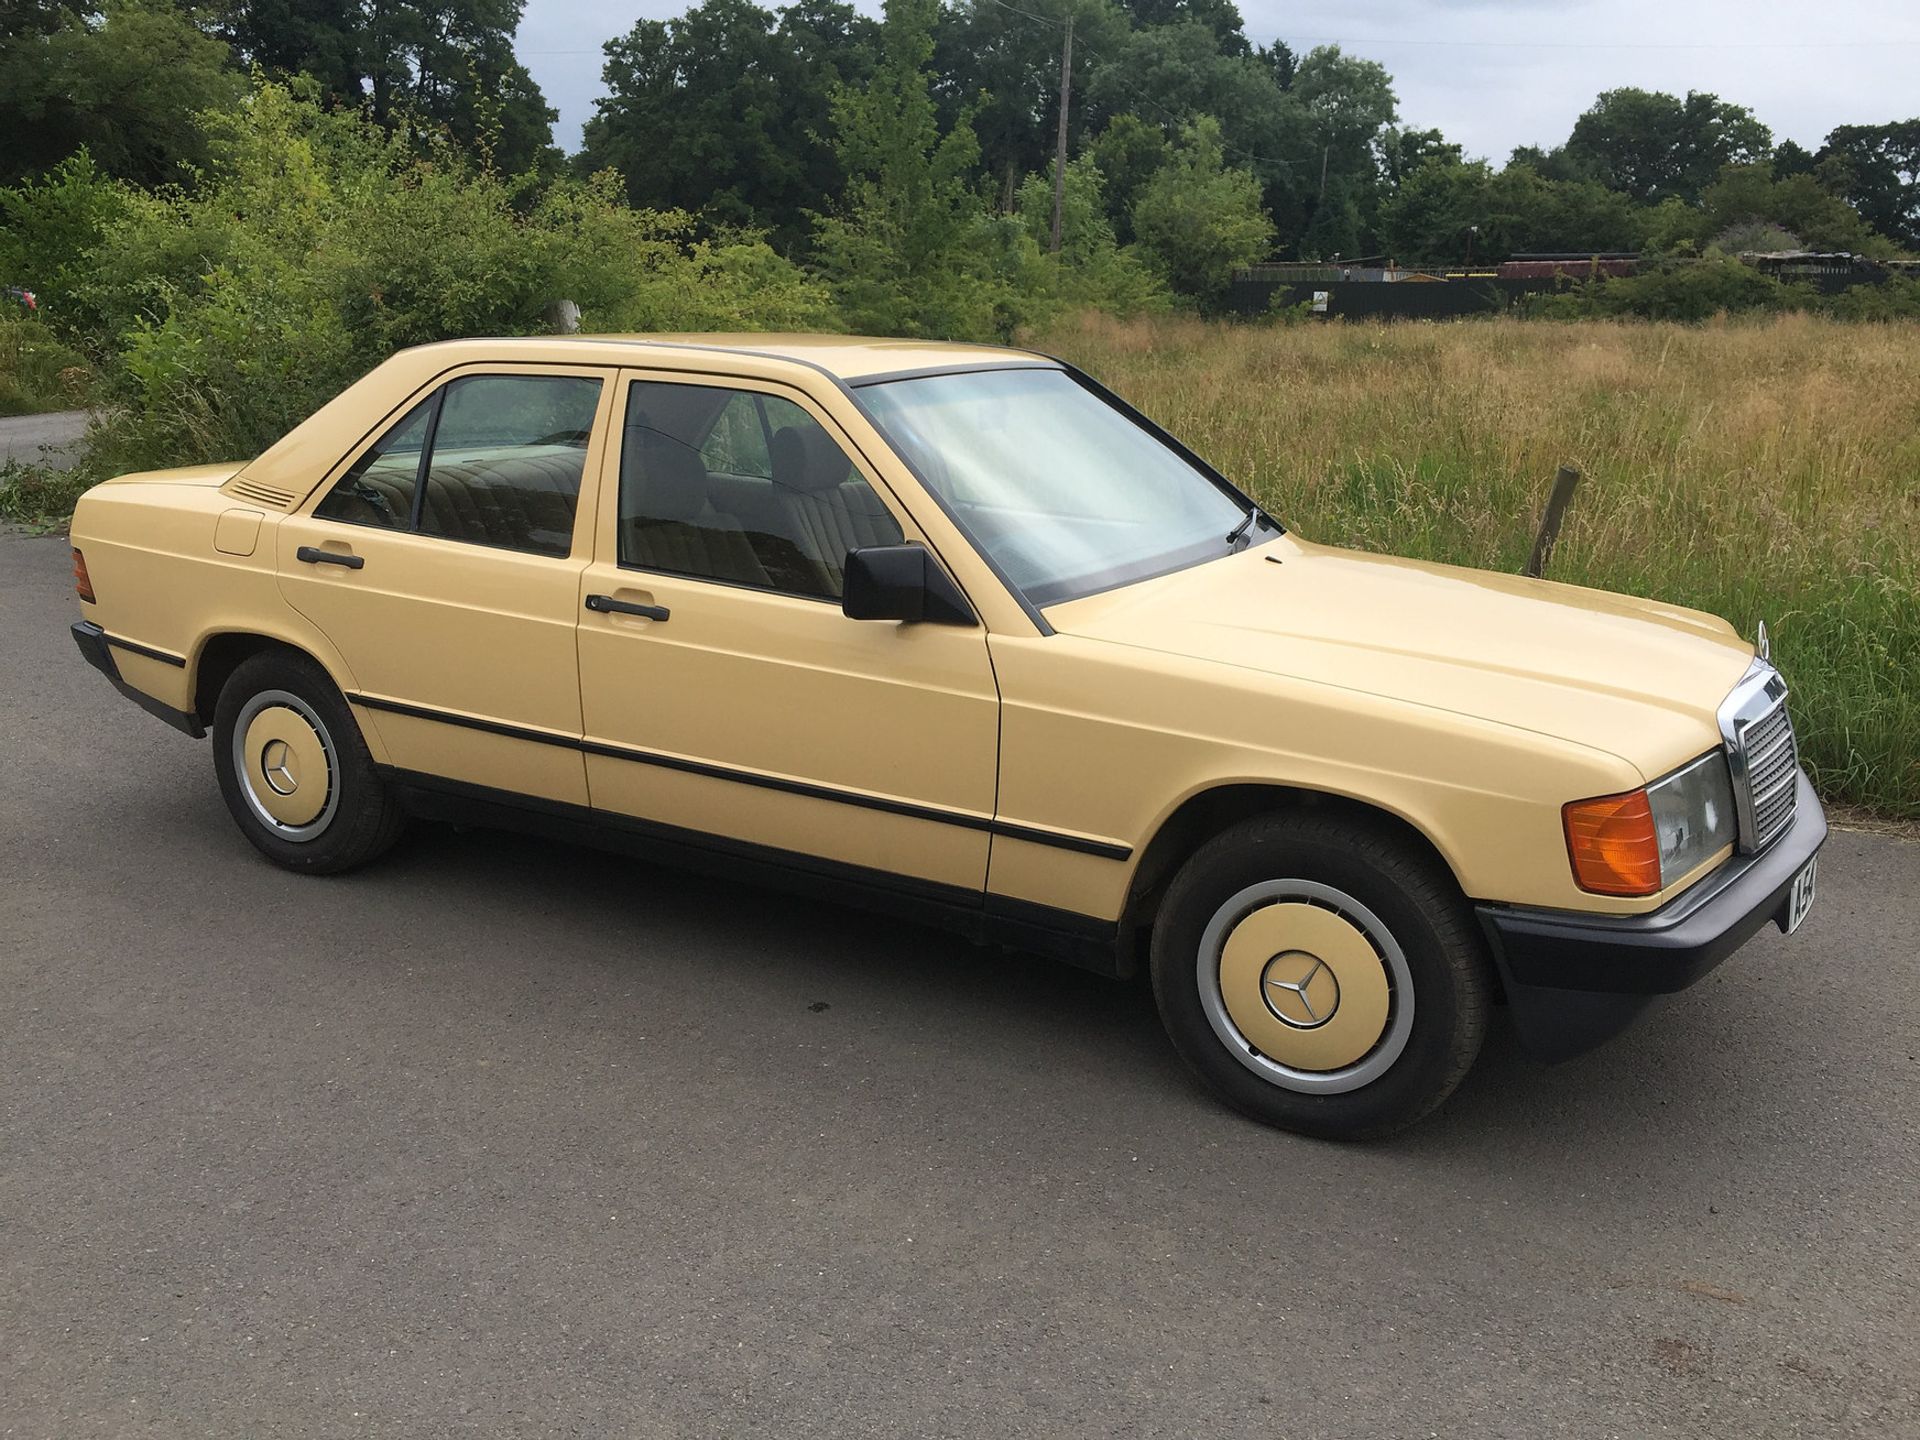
(1759, 470)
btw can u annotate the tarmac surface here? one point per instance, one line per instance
(504, 1138)
(41, 439)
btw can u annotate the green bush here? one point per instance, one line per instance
(1198, 218)
(1688, 290)
(1895, 299)
(1091, 268)
(38, 372)
(48, 230)
(316, 244)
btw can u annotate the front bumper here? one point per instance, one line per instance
(1574, 980)
(97, 648)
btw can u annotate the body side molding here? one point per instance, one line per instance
(1105, 849)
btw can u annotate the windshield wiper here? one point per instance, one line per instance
(1235, 535)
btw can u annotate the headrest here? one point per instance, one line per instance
(806, 459)
(661, 478)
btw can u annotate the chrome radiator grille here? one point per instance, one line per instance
(1771, 767)
(1761, 754)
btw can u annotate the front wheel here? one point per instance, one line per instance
(294, 770)
(1321, 974)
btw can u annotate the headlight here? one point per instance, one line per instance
(1643, 841)
(1693, 815)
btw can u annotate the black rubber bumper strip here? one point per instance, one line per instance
(1574, 980)
(1104, 849)
(94, 643)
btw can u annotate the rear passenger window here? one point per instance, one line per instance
(378, 490)
(501, 457)
(742, 488)
(507, 456)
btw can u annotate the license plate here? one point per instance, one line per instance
(1800, 898)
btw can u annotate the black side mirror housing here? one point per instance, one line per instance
(900, 582)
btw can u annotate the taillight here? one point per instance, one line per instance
(80, 580)
(1613, 845)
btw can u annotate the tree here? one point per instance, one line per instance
(1882, 175)
(324, 39)
(1651, 145)
(1400, 152)
(1426, 219)
(727, 110)
(910, 249)
(999, 69)
(1199, 219)
(1172, 75)
(451, 62)
(1091, 268)
(125, 84)
(1280, 62)
(1222, 17)
(1348, 104)
(1127, 153)
(1749, 197)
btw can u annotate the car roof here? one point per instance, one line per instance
(847, 357)
(295, 462)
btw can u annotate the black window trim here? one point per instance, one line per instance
(425, 467)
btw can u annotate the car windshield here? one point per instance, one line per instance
(1064, 492)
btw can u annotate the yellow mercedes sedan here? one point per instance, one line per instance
(953, 632)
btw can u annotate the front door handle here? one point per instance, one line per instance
(314, 555)
(607, 605)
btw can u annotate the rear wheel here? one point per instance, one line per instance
(294, 770)
(1321, 974)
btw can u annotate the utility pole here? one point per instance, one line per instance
(1060, 147)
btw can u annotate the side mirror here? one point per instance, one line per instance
(900, 582)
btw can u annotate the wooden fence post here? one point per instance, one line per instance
(1557, 501)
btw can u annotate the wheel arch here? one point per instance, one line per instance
(1216, 808)
(221, 652)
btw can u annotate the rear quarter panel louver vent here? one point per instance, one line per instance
(259, 494)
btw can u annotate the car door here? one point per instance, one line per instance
(723, 690)
(443, 561)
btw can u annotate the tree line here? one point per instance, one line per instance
(737, 113)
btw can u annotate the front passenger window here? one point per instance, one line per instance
(781, 516)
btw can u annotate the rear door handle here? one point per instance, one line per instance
(314, 555)
(607, 605)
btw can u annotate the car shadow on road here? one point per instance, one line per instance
(1667, 1085)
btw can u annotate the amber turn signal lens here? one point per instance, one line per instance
(1613, 845)
(80, 580)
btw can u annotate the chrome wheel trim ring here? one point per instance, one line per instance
(243, 766)
(1364, 1071)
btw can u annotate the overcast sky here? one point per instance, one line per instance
(1492, 74)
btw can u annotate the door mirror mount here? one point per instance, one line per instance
(901, 582)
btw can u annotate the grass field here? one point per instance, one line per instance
(1765, 470)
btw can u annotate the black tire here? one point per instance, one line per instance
(1340, 859)
(359, 817)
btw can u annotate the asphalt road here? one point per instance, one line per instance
(26, 438)
(505, 1138)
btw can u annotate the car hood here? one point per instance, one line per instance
(1635, 678)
